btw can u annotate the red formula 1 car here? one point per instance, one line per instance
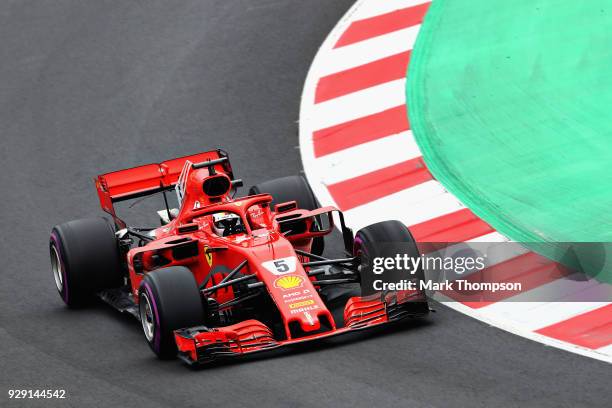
(224, 276)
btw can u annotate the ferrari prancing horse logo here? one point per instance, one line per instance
(208, 255)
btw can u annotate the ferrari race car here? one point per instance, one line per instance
(225, 276)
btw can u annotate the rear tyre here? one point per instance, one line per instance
(85, 259)
(385, 240)
(169, 299)
(292, 188)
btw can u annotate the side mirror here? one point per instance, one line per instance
(323, 223)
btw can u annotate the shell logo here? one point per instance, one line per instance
(288, 282)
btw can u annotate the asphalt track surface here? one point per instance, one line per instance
(89, 87)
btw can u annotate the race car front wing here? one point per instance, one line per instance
(199, 345)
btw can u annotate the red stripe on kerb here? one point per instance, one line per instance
(459, 226)
(530, 270)
(381, 183)
(383, 24)
(358, 131)
(364, 76)
(591, 330)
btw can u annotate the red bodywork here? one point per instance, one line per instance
(190, 241)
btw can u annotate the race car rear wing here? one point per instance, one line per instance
(149, 179)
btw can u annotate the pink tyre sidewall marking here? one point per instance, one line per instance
(157, 335)
(56, 243)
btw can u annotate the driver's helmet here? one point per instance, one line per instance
(227, 223)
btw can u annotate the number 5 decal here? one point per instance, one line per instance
(281, 266)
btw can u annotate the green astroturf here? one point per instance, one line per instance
(511, 104)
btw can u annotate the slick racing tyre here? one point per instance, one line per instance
(386, 240)
(292, 188)
(85, 259)
(168, 299)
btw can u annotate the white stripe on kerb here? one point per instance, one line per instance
(607, 350)
(358, 104)
(536, 315)
(491, 237)
(363, 52)
(368, 157)
(414, 205)
(559, 302)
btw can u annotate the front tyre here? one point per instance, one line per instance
(169, 299)
(386, 240)
(85, 259)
